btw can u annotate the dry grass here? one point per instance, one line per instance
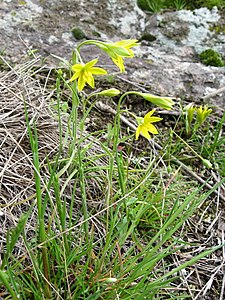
(16, 169)
(17, 188)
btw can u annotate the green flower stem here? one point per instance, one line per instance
(74, 113)
(3, 278)
(42, 233)
(77, 57)
(58, 79)
(115, 144)
(86, 113)
(89, 42)
(205, 161)
(112, 49)
(117, 119)
(83, 195)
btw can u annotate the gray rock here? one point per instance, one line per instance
(168, 64)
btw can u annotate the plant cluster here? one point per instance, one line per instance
(117, 251)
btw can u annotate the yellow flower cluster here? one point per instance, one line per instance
(117, 52)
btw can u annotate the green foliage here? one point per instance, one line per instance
(219, 29)
(78, 33)
(210, 57)
(155, 6)
(205, 3)
(179, 4)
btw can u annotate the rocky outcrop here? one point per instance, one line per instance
(168, 63)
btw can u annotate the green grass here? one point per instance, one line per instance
(155, 6)
(108, 221)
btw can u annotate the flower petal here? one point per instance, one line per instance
(90, 64)
(144, 132)
(151, 128)
(77, 67)
(127, 43)
(153, 119)
(98, 71)
(149, 119)
(89, 79)
(81, 83)
(75, 76)
(119, 63)
(138, 130)
(149, 114)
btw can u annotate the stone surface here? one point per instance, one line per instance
(168, 65)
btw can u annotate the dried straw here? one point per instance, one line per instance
(18, 86)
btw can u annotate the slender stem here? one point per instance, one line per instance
(3, 278)
(42, 232)
(199, 156)
(88, 42)
(116, 139)
(218, 131)
(59, 111)
(83, 195)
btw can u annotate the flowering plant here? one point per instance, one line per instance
(83, 73)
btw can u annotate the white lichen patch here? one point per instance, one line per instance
(52, 39)
(199, 35)
(128, 22)
(127, 18)
(23, 14)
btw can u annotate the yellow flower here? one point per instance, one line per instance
(84, 73)
(127, 44)
(190, 110)
(202, 114)
(118, 50)
(145, 125)
(119, 63)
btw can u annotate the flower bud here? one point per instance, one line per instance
(110, 93)
(110, 280)
(207, 163)
(163, 102)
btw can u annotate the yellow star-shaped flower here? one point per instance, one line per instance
(145, 125)
(118, 51)
(127, 44)
(202, 114)
(84, 73)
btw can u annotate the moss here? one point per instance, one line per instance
(96, 33)
(148, 37)
(78, 33)
(219, 29)
(210, 57)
